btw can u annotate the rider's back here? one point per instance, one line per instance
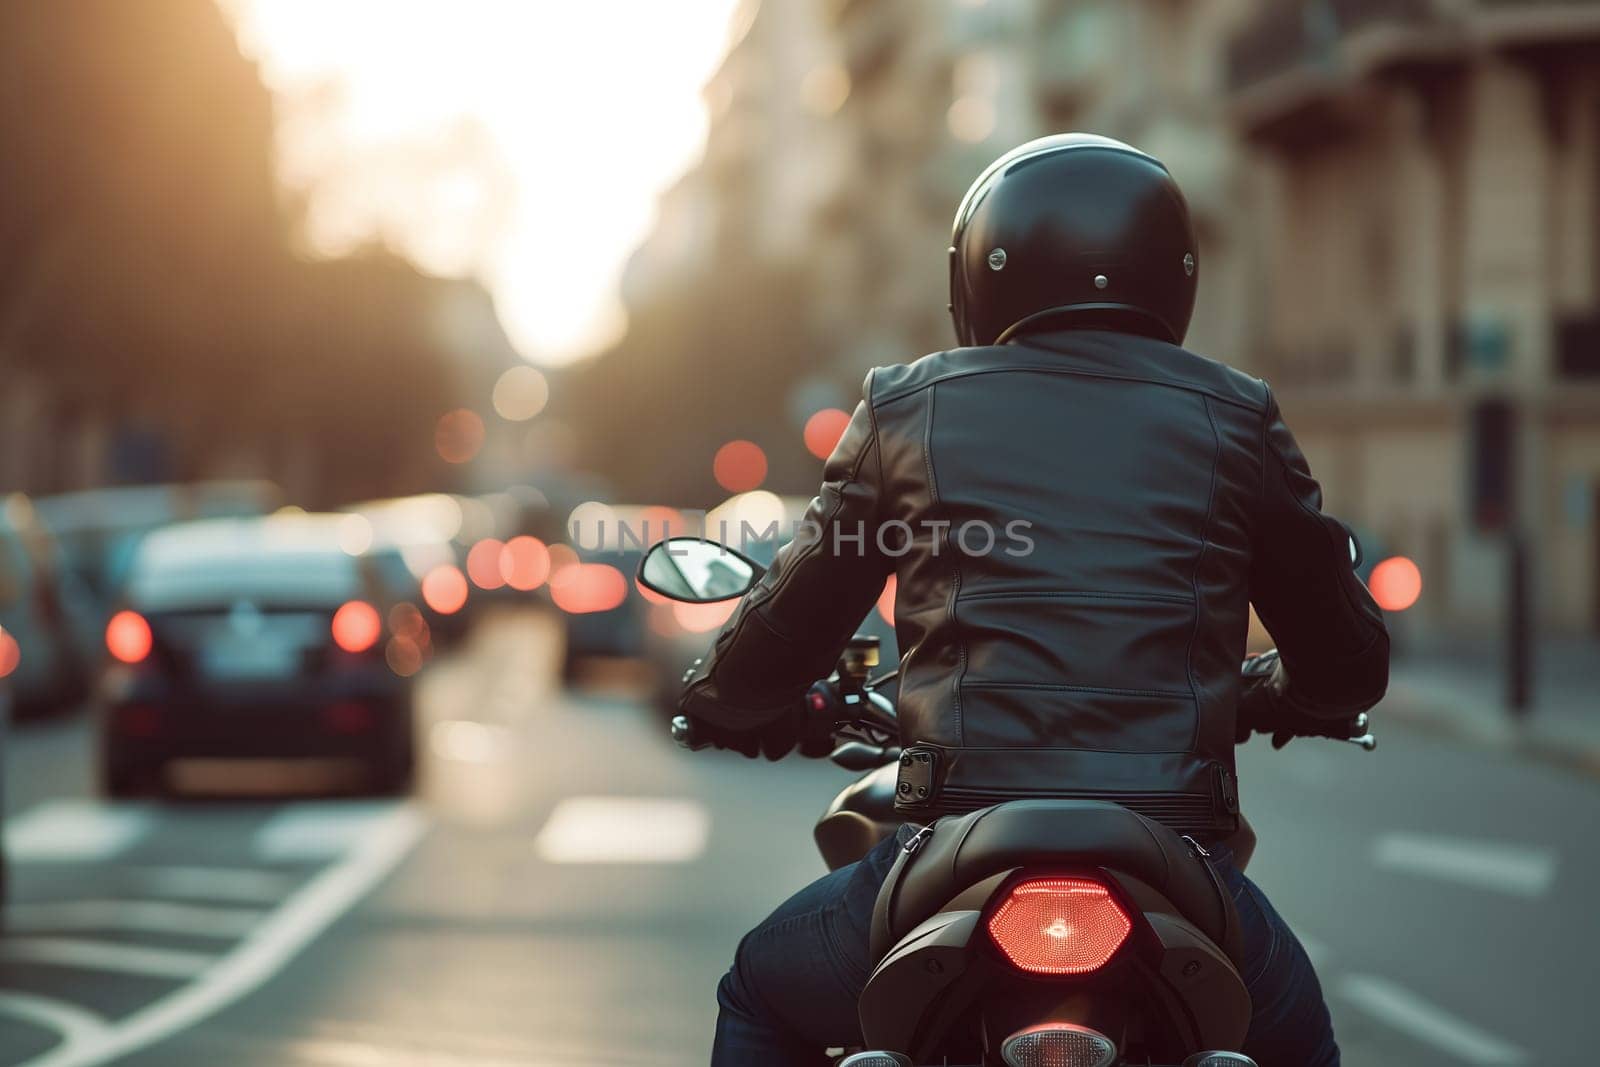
(1074, 605)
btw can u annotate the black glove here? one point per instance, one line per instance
(776, 732)
(1267, 706)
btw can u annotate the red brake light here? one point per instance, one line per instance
(10, 653)
(356, 626)
(1059, 926)
(444, 589)
(128, 637)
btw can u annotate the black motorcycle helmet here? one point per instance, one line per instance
(1076, 228)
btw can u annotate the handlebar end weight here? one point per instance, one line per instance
(682, 732)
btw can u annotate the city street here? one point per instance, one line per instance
(566, 888)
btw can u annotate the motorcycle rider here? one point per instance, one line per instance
(1158, 495)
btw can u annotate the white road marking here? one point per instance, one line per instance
(154, 916)
(214, 883)
(74, 831)
(105, 956)
(1515, 869)
(624, 830)
(70, 1021)
(304, 915)
(314, 832)
(1415, 1017)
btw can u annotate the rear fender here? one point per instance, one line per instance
(908, 986)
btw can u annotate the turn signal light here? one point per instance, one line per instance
(128, 637)
(356, 626)
(1059, 1045)
(1059, 926)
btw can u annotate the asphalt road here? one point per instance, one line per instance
(566, 889)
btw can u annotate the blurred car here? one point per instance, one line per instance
(591, 581)
(240, 638)
(45, 612)
(423, 557)
(100, 529)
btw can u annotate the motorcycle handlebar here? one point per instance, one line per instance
(877, 710)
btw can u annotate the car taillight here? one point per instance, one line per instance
(128, 637)
(356, 626)
(1059, 926)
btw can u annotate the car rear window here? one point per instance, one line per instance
(295, 579)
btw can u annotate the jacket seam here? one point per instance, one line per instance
(1109, 690)
(1160, 598)
(872, 419)
(1070, 372)
(1199, 561)
(955, 568)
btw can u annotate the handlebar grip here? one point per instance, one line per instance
(682, 732)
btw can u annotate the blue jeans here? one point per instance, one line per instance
(792, 990)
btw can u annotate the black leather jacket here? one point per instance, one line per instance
(1139, 499)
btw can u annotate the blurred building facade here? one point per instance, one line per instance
(1398, 203)
(1425, 176)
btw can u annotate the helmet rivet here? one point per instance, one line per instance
(1188, 264)
(1101, 281)
(997, 259)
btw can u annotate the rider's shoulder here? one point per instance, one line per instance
(885, 385)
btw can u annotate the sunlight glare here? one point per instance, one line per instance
(524, 143)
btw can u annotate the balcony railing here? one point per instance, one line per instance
(1298, 34)
(1312, 37)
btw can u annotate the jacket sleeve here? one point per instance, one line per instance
(790, 629)
(1330, 634)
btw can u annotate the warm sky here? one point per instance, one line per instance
(523, 141)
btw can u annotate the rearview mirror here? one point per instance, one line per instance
(695, 571)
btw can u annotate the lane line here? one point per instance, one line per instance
(1518, 870)
(624, 830)
(151, 916)
(74, 831)
(110, 956)
(308, 912)
(1424, 1022)
(70, 1021)
(234, 885)
(313, 832)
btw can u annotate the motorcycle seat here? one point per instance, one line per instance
(1085, 834)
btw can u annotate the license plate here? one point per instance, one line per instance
(254, 659)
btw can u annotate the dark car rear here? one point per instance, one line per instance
(252, 638)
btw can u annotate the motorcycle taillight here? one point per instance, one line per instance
(1059, 925)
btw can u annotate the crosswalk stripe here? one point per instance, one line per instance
(312, 832)
(74, 831)
(1518, 870)
(105, 956)
(1424, 1022)
(624, 830)
(151, 916)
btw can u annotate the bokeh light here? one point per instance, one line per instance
(886, 599)
(703, 618)
(740, 466)
(524, 563)
(128, 637)
(355, 534)
(403, 655)
(483, 564)
(1396, 583)
(444, 589)
(10, 653)
(520, 394)
(458, 436)
(356, 626)
(585, 588)
(823, 431)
